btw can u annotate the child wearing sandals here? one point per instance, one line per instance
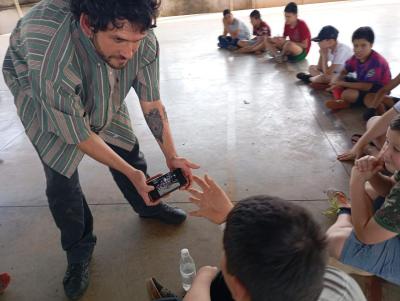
(366, 236)
(372, 74)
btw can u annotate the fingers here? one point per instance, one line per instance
(192, 165)
(202, 184)
(346, 156)
(195, 193)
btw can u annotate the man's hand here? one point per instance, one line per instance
(138, 180)
(207, 273)
(185, 165)
(366, 167)
(212, 201)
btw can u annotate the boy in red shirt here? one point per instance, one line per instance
(297, 47)
(261, 31)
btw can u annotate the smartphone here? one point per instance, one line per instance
(166, 183)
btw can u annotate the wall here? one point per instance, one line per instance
(9, 16)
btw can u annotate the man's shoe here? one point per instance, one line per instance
(304, 77)
(168, 215)
(337, 104)
(157, 291)
(76, 280)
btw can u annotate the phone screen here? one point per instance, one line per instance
(166, 183)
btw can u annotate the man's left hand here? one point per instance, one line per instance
(185, 165)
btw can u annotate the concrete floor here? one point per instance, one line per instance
(245, 120)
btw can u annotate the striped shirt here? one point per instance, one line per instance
(63, 89)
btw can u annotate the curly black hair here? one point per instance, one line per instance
(141, 13)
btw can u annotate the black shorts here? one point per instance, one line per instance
(361, 94)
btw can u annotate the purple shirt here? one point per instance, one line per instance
(374, 70)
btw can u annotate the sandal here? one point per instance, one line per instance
(339, 204)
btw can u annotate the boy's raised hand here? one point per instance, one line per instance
(368, 166)
(212, 201)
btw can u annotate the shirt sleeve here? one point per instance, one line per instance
(386, 76)
(388, 216)
(304, 32)
(349, 65)
(147, 82)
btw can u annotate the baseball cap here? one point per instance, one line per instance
(327, 32)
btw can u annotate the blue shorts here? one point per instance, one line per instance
(381, 259)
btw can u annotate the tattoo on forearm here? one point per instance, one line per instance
(155, 123)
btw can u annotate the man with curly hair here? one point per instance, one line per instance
(70, 65)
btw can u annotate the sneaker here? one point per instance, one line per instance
(76, 280)
(4, 282)
(304, 77)
(337, 104)
(156, 291)
(167, 214)
(369, 112)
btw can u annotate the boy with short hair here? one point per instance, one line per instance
(372, 74)
(331, 51)
(234, 31)
(273, 250)
(297, 47)
(261, 30)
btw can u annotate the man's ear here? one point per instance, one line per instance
(238, 290)
(85, 25)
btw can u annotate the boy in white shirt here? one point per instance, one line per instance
(331, 51)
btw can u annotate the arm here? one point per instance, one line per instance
(323, 60)
(235, 34)
(386, 89)
(200, 289)
(225, 28)
(365, 227)
(156, 117)
(378, 129)
(97, 149)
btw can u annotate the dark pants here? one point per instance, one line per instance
(227, 41)
(218, 291)
(71, 211)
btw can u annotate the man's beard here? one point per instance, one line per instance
(107, 59)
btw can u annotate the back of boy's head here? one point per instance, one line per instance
(365, 33)
(276, 249)
(291, 8)
(255, 14)
(226, 12)
(395, 124)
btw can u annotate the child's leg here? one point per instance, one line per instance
(270, 46)
(379, 141)
(290, 48)
(321, 79)
(314, 70)
(338, 233)
(350, 95)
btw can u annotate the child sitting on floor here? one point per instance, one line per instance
(366, 236)
(331, 51)
(261, 30)
(372, 74)
(234, 31)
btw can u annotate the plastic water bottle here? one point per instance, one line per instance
(187, 269)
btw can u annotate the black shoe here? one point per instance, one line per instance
(156, 291)
(76, 280)
(369, 112)
(304, 77)
(168, 215)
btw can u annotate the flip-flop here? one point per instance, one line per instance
(339, 203)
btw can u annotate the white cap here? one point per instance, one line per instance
(184, 252)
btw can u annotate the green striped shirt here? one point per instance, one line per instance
(63, 89)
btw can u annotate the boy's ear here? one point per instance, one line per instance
(238, 290)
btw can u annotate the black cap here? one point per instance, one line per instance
(326, 33)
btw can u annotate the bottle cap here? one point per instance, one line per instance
(184, 252)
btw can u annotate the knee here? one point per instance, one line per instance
(369, 100)
(336, 239)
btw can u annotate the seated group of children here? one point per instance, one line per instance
(353, 77)
(272, 248)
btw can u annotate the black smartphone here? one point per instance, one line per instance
(166, 183)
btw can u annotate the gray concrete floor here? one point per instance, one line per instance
(282, 142)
